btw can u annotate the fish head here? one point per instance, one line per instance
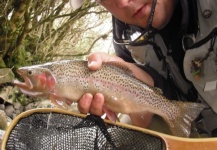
(37, 80)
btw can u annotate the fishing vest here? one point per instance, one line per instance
(200, 61)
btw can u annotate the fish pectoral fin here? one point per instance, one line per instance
(59, 101)
(34, 93)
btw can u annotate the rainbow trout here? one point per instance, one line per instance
(69, 80)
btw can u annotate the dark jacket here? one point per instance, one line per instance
(173, 42)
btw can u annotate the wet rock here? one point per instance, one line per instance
(2, 132)
(36, 104)
(9, 120)
(6, 75)
(14, 116)
(8, 94)
(17, 112)
(45, 104)
(9, 110)
(18, 106)
(2, 107)
(3, 122)
(29, 106)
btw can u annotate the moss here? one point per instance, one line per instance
(19, 58)
(25, 100)
(2, 63)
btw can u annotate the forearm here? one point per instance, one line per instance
(141, 74)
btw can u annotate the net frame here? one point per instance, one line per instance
(170, 142)
(82, 116)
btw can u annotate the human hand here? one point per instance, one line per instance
(94, 104)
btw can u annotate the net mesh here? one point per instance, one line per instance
(42, 131)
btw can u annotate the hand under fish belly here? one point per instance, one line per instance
(68, 80)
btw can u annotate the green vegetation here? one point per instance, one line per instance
(33, 32)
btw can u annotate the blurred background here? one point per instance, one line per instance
(38, 31)
(34, 32)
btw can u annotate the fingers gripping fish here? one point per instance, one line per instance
(68, 80)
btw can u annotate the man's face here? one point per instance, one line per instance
(136, 12)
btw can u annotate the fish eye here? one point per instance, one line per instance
(30, 72)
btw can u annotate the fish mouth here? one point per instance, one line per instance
(26, 85)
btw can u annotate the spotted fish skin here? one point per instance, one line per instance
(69, 80)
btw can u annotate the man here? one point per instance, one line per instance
(168, 44)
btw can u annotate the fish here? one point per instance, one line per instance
(67, 80)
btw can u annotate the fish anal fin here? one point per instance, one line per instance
(110, 115)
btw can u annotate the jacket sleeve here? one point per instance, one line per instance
(159, 80)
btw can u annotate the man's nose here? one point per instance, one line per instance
(122, 3)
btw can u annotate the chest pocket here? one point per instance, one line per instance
(203, 74)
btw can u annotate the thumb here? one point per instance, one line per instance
(96, 59)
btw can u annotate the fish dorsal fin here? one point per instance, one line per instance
(121, 66)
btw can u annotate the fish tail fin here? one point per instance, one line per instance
(180, 119)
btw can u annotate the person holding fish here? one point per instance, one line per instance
(165, 65)
(169, 44)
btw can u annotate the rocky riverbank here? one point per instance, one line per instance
(13, 103)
